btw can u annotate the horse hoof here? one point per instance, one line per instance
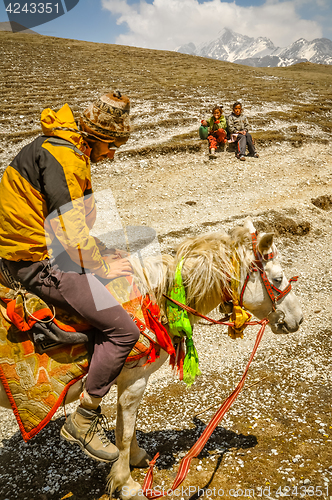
(143, 462)
(131, 491)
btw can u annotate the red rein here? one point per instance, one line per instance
(275, 295)
(199, 445)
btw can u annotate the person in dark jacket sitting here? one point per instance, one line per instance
(238, 125)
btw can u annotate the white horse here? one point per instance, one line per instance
(207, 268)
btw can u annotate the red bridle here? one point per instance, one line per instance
(257, 266)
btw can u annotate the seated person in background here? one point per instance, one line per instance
(217, 130)
(238, 124)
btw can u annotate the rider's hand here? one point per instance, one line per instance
(114, 253)
(118, 267)
(109, 257)
(204, 123)
(121, 253)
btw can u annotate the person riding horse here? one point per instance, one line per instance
(46, 202)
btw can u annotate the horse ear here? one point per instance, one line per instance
(265, 243)
(249, 225)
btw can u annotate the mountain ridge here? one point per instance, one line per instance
(260, 52)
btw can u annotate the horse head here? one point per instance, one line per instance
(221, 268)
(265, 291)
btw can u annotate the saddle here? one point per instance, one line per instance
(31, 314)
(41, 348)
(48, 327)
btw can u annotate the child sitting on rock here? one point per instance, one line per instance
(217, 130)
(238, 126)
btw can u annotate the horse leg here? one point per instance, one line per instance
(138, 456)
(131, 385)
(4, 401)
(73, 393)
(129, 397)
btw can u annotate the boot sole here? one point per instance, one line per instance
(68, 437)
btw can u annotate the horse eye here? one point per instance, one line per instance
(278, 280)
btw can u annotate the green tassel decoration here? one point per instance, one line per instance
(190, 363)
(179, 325)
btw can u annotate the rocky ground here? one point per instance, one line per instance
(277, 436)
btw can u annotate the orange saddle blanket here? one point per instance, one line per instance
(35, 381)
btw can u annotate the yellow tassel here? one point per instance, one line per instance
(239, 317)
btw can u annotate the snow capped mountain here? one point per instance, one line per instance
(231, 46)
(318, 51)
(242, 49)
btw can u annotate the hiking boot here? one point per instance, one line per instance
(84, 427)
(212, 154)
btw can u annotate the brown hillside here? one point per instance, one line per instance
(170, 92)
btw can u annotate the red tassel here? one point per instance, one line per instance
(177, 359)
(151, 313)
(154, 354)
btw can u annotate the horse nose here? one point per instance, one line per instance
(295, 326)
(298, 324)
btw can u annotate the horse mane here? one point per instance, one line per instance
(207, 262)
(207, 266)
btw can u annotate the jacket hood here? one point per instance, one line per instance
(63, 118)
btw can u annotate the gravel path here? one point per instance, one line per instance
(284, 424)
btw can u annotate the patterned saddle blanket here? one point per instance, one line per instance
(37, 378)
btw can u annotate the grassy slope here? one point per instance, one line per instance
(44, 72)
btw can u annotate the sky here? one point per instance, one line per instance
(167, 24)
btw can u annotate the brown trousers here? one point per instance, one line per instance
(114, 333)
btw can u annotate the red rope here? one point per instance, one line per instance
(200, 443)
(222, 321)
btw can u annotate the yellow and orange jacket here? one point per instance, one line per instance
(46, 198)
